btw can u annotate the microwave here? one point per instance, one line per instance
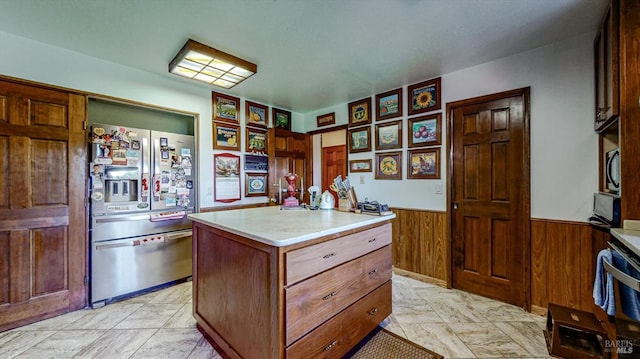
(606, 209)
(612, 168)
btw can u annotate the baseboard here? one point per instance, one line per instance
(420, 277)
(538, 310)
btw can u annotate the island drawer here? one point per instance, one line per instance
(331, 340)
(305, 262)
(311, 302)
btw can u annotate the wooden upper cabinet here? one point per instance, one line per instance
(607, 69)
(291, 142)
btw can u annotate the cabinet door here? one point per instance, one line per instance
(607, 70)
(42, 213)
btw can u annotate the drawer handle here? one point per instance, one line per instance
(328, 347)
(326, 256)
(372, 240)
(373, 311)
(373, 272)
(328, 296)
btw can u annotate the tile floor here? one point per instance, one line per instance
(159, 325)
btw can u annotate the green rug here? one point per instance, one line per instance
(382, 344)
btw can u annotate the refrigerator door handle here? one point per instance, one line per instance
(122, 219)
(107, 245)
(178, 235)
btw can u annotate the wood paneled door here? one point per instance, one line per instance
(334, 163)
(42, 203)
(490, 196)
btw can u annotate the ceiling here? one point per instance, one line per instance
(311, 54)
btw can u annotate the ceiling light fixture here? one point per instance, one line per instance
(203, 63)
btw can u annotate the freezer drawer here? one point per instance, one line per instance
(105, 228)
(125, 266)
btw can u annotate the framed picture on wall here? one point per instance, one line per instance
(225, 107)
(255, 184)
(256, 140)
(389, 104)
(281, 119)
(256, 115)
(425, 130)
(360, 139)
(389, 165)
(424, 163)
(226, 137)
(326, 120)
(424, 96)
(389, 135)
(360, 112)
(360, 166)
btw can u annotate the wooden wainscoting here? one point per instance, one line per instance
(563, 256)
(421, 244)
(563, 262)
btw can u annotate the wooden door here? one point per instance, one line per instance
(42, 203)
(334, 163)
(490, 196)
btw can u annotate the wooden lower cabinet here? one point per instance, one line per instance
(331, 340)
(315, 299)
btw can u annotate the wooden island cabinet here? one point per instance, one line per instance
(272, 283)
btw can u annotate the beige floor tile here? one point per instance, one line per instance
(180, 293)
(160, 324)
(527, 335)
(183, 318)
(486, 340)
(149, 316)
(116, 344)
(13, 343)
(106, 317)
(203, 350)
(438, 337)
(62, 344)
(170, 344)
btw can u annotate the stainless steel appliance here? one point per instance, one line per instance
(142, 188)
(606, 210)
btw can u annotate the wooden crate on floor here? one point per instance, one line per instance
(572, 333)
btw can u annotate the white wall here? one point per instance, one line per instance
(564, 167)
(563, 145)
(26, 59)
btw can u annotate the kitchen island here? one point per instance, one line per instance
(272, 283)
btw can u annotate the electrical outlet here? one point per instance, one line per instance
(361, 179)
(439, 189)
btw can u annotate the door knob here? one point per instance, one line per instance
(455, 205)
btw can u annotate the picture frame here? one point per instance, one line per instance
(226, 177)
(389, 135)
(360, 112)
(389, 104)
(327, 119)
(424, 96)
(256, 140)
(225, 108)
(423, 163)
(226, 137)
(255, 184)
(256, 115)
(360, 165)
(281, 119)
(359, 139)
(389, 165)
(425, 130)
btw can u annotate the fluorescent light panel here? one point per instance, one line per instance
(203, 63)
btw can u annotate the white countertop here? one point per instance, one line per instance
(276, 227)
(630, 238)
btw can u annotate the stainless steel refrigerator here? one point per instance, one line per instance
(142, 187)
